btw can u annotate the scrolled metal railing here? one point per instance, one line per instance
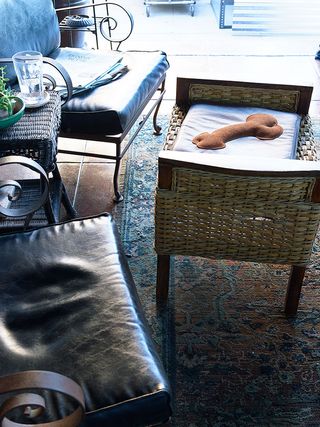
(115, 26)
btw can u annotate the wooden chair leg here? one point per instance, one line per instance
(294, 290)
(163, 272)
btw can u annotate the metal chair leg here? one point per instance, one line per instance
(49, 212)
(118, 197)
(157, 128)
(71, 212)
(63, 196)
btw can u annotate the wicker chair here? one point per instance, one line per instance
(236, 208)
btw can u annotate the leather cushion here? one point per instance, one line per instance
(110, 109)
(27, 25)
(69, 304)
(206, 118)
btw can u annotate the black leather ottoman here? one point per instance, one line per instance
(69, 305)
(109, 109)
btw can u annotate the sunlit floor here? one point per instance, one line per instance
(195, 47)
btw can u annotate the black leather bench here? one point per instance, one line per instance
(69, 305)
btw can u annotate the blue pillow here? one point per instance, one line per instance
(27, 25)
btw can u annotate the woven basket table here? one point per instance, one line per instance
(35, 134)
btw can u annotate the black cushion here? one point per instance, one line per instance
(109, 109)
(69, 305)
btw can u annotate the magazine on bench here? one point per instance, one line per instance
(86, 73)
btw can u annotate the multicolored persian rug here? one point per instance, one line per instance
(232, 357)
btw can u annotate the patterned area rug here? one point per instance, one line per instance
(231, 356)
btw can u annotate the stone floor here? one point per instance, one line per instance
(195, 47)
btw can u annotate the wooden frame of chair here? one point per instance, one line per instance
(170, 198)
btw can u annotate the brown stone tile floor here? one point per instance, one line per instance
(93, 193)
(88, 180)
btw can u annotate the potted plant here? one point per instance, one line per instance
(11, 107)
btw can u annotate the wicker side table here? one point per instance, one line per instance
(35, 136)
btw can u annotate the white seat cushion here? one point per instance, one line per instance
(207, 118)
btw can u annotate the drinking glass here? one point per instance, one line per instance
(28, 67)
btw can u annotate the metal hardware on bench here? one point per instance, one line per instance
(44, 187)
(34, 403)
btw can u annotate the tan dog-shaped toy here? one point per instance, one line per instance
(262, 126)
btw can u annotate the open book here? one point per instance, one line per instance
(111, 74)
(87, 73)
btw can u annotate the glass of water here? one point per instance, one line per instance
(28, 67)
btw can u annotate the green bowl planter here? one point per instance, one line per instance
(18, 111)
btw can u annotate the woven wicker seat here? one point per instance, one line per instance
(227, 207)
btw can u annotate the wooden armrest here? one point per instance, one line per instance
(239, 165)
